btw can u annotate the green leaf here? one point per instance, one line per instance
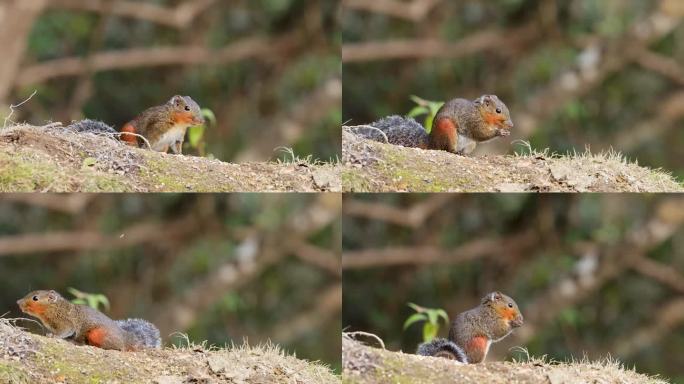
(195, 135)
(432, 317)
(416, 317)
(418, 100)
(429, 332)
(428, 123)
(416, 307)
(417, 111)
(442, 313)
(209, 115)
(435, 106)
(79, 301)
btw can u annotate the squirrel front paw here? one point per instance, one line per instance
(504, 133)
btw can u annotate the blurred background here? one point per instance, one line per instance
(594, 275)
(269, 70)
(574, 73)
(220, 268)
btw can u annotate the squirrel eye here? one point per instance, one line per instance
(498, 110)
(35, 298)
(187, 108)
(510, 305)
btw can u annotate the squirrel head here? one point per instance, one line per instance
(36, 302)
(187, 111)
(504, 307)
(494, 112)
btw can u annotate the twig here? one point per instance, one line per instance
(352, 335)
(12, 106)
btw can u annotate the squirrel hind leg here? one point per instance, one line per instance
(101, 337)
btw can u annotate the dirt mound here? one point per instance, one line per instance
(59, 160)
(363, 364)
(370, 166)
(29, 358)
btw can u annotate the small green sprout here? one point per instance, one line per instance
(92, 300)
(425, 107)
(431, 318)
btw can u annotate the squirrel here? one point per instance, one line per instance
(85, 325)
(473, 331)
(457, 127)
(163, 126)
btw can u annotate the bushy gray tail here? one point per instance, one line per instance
(397, 130)
(144, 332)
(442, 348)
(92, 126)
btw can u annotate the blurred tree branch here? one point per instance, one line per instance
(247, 48)
(179, 17)
(570, 290)
(180, 312)
(412, 217)
(292, 124)
(670, 315)
(415, 10)
(67, 203)
(393, 256)
(497, 41)
(668, 112)
(16, 21)
(327, 304)
(664, 65)
(603, 57)
(323, 258)
(73, 241)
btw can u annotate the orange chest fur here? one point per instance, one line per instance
(507, 313)
(184, 118)
(35, 308)
(493, 118)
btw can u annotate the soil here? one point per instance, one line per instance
(363, 364)
(55, 159)
(370, 166)
(30, 358)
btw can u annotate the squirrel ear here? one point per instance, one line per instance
(177, 100)
(487, 99)
(52, 295)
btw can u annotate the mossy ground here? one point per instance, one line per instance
(369, 166)
(53, 159)
(30, 358)
(362, 364)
